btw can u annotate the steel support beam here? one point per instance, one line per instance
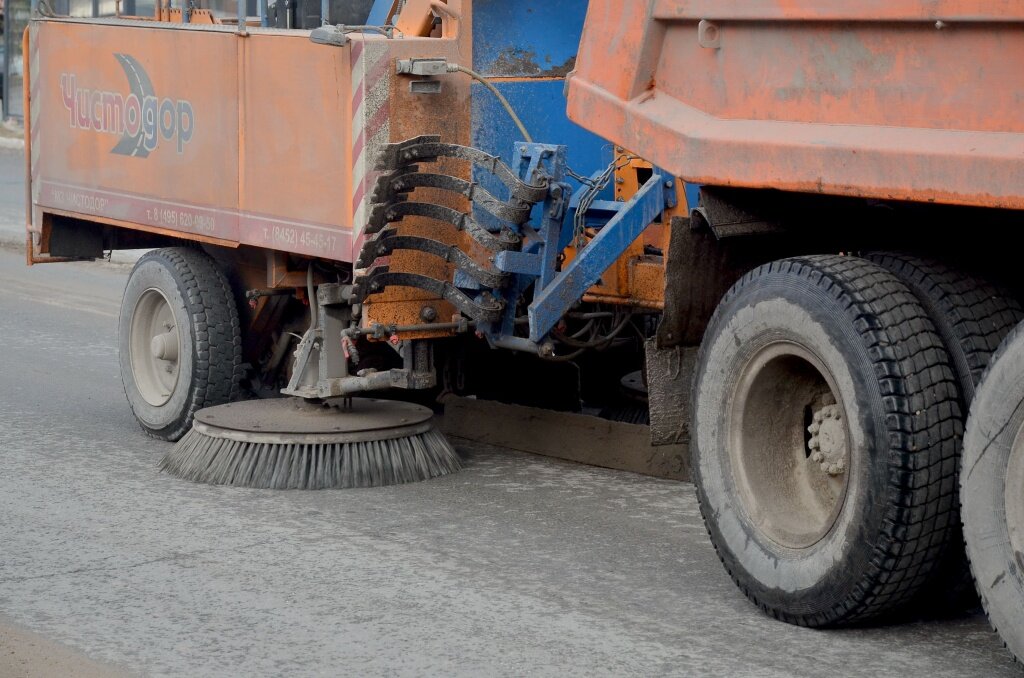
(569, 286)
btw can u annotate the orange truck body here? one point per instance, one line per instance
(886, 99)
(257, 138)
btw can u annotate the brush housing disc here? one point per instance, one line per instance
(290, 443)
(293, 420)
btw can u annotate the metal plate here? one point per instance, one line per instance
(297, 420)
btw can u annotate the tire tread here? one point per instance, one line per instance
(210, 303)
(923, 417)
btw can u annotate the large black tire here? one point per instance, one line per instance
(179, 306)
(992, 491)
(845, 524)
(972, 315)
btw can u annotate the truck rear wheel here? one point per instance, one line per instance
(823, 439)
(992, 491)
(972, 316)
(179, 340)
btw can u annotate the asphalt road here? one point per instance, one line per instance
(12, 195)
(520, 565)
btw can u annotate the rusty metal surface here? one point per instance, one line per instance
(894, 100)
(298, 187)
(978, 11)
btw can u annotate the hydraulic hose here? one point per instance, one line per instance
(501, 97)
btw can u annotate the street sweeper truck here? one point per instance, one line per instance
(797, 219)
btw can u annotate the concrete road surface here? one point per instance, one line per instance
(520, 565)
(12, 195)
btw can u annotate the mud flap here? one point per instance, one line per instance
(669, 375)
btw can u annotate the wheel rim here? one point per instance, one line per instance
(789, 445)
(155, 346)
(1013, 493)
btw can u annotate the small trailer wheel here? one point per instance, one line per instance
(179, 340)
(992, 491)
(823, 440)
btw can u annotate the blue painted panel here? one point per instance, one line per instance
(379, 13)
(522, 38)
(692, 195)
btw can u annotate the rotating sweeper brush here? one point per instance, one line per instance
(322, 438)
(291, 443)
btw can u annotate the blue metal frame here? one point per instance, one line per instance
(545, 237)
(553, 300)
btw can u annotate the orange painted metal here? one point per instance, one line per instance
(888, 99)
(416, 18)
(260, 138)
(637, 278)
(278, 274)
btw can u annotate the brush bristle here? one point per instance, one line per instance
(301, 466)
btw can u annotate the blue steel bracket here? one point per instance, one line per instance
(535, 263)
(553, 300)
(524, 263)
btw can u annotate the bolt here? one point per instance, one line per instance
(814, 444)
(814, 428)
(428, 314)
(817, 457)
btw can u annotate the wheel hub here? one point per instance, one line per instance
(792, 486)
(155, 346)
(165, 346)
(827, 444)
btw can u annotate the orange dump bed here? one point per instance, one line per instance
(890, 99)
